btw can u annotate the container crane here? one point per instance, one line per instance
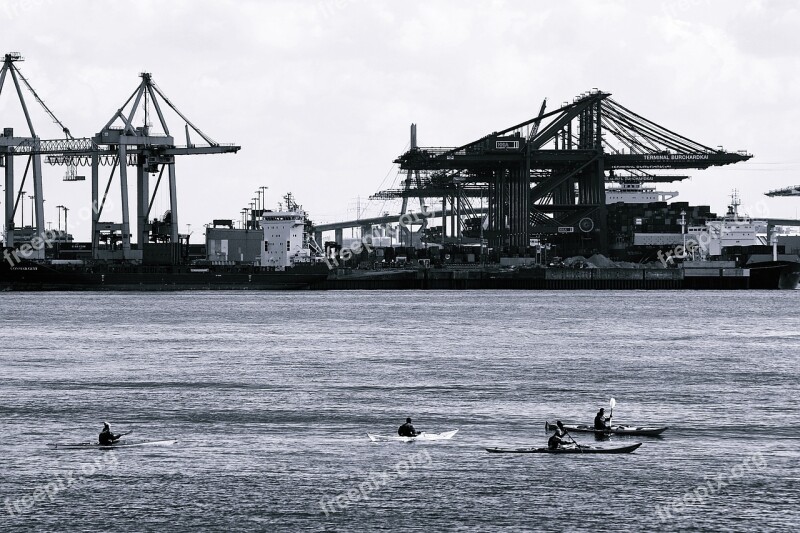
(118, 145)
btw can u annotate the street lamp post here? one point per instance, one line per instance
(59, 208)
(22, 209)
(62, 208)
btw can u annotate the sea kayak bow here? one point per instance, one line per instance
(119, 444)
(638, 431)
(447, 435)
(581, 449)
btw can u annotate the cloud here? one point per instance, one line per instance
(321, 93)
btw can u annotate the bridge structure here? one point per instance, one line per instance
(545, 178)
(404, 225)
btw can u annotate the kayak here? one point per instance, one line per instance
(581, 449)
(119, 444)
(447, 435)
(639, 431)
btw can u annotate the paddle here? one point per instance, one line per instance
(573, 440)
(548, 426)
(611, 402)
(122, 435)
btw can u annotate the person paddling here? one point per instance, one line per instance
(600, 421)
(407, 430)
(106, 437)
(555, 441)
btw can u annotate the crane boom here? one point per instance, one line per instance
(535, 125)
(44, 106)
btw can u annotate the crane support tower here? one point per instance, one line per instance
(8, 144)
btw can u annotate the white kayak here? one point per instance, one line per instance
(447, 435)
(118, 444)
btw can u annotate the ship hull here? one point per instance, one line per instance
(783, 275)
(42, 277)
(709, 278)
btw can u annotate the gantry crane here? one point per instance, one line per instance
(118, 145)
(794, 190)
(551, 182)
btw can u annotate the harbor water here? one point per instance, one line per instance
(271, 396)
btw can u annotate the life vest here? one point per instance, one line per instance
(406, 430)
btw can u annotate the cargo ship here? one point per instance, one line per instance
(654, 245)
(716, 276)
(270, 253)
(54, 276)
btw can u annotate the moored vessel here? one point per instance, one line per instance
(273, 254)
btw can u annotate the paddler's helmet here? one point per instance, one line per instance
(602, 410)
(106, 426)
(559, 424)
(408, 420)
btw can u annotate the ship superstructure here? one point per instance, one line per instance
(637, 193)
(731, 230)
(285, 239)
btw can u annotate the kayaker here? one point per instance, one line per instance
(106, 437)
(407, 430)
(600, 421)
(555, 441)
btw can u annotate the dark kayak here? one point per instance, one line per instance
(581, 449)
(118, 444)
(638, 431)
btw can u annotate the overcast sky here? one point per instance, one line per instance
(320, 94)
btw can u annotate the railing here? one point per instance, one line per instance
(34, 145)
